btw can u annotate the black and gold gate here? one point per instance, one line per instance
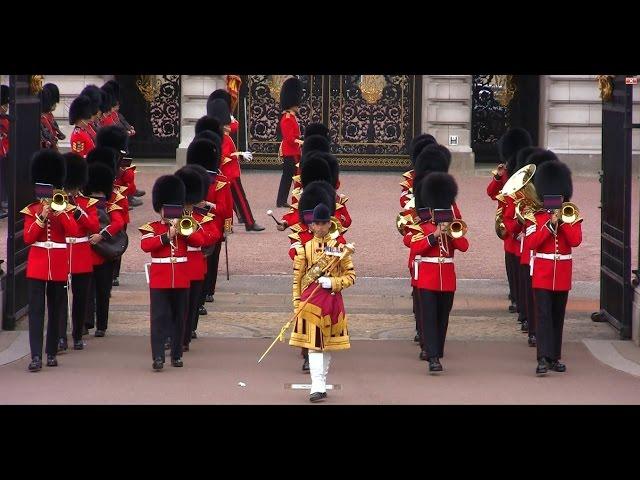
(371, 118)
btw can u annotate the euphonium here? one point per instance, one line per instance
(569, 212)
(501, 230)
(521, 189)
(186, 225)
(59, 201)
(456, 229)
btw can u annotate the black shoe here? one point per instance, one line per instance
(305, 365)
(255, 228)
(416, 338)
(176, 362)
(194, 335)
(525, 326)
(185, 347)
(139, 193)
(556, 366)
(512, 308)
(423, 355)
(202, 310)
(62, 345)
(317, 397)
(35, 365)
(78, 345)
(134, 202)
(51, 361)
(541, 369)
(434, 365)
(209, 298)
(532, 341)
(115, 282)
(99, 333)
(158, 363)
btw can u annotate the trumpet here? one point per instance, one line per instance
(455, 229)
(186, 225)
(58, 202)
(569, 212)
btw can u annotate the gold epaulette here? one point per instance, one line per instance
(205, 219)
(405, 184)
(415, 228)
(296, 178)
(121, 188)
(408, 175)
(296, 227)
(27, 211)
(342, 199)
(112, 207)
(219, 185)
(146, 228)
(294, 236)
(226, 160)
(417, 237)
(70, 208)
(91, 202)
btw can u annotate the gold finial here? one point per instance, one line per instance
(149, 87)
(35, 84)
(605, 84)
(371, 87)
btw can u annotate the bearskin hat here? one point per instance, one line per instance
(512, 141)
(46, 100)
(554, 178)
(53, 89)
(314, 194)
(438, 190)
(516, 162)
(219, 110)
(418, 143)
(108, 100)
(4, 94)
(219, 94)
(431, 159)
(291, 93)
(168, 189)
(316, 128)
(77, 172)
(315, 143)
(94, 93)
(104, 155)
(114, 88)
(48, 166)
(539, 157)
(193, 185)
(314, 167)
(100, 179)
(80, 109)
(209, 135)
(205, 178)
(205, 153)
(207, 122)
(113, 136)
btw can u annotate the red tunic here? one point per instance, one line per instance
(79, 248)
(229, 165)
(407, 187)
(219, 195)
(553, 273)
(196, 261)
(4, 136)
(290, 132)
(175, 272)
(81, 141)
(514, 228)
(235, 125)
(48, 258)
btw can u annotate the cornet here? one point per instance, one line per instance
(186, 225)
(455, 229)
(58, 202)
(569, 212)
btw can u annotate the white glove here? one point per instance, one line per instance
(325, 282)
(248, 156)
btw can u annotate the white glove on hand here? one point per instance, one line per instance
(248, 156)
(325, 282)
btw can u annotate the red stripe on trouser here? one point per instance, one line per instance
(240, 200)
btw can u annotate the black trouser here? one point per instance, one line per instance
(526, 293)
(209, 287)
(168, 311)
(434, 310)
(550, 309)
(513, 276)
(191, 320)
(241, 204)
(288, 171)
(55, 299)
(118, 262)
(508, 264)
(4, 179)
(523, 294)
(99, 293)
(415, 294)
(80, 286)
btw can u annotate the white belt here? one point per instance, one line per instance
(194, 249)
(169, 260)
(434, 260)
(49, 245)
(77, 239)
(553, 256)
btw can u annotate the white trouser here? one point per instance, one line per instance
(319, 368)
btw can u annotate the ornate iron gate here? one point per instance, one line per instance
(371, 118)
(615, 256)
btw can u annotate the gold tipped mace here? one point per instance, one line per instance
(349, 248)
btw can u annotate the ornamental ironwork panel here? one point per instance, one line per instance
(263, 109)
(489, 119)
(164, 110)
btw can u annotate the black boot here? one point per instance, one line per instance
(317, 397)
(99, 333)
(194, 335)
(424, 355)
(176, 362)
(158, 363)
(416, 338)
(532, 340)
(209, 298)
(115, 282)
(78, 345)
(512, 308)
(202, 310)
(525, 326)
(434, 365)
(36, 364)
(305, 365)
(541, 369)
(255, 228)
(51, 361)
(63, 345)
(556, 366)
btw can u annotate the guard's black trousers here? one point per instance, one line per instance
(55, 293)
(509, 263)
(434, 310)
(416, 313)
(80, 285)
(526, 297)
(191, 320)
(550, 308)
(117, 263)
(168, 311)
(241, 204)
(209, 287)
(99, 293)
(288, 171)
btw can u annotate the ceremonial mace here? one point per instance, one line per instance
(270, 213)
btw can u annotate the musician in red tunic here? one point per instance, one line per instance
(82, 141)
(290, 99)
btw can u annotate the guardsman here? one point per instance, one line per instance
(321, 324)
(97, 98)
(169, 278)
(203, 222)
(48, 137)
(417, 144)
(55, 97)
(79, 249)
(82, 141)
(558, 231)
(222, 94)
(432, 248)
(47, 224)
(290, 99)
